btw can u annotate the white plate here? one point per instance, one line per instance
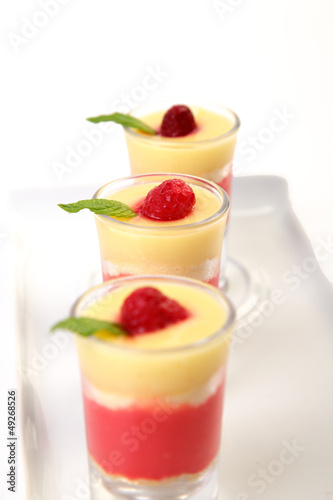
(277, 430)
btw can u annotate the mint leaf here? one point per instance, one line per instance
(125, 120)
(101, 207)
(88, 326)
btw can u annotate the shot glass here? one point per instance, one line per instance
(153, 403)
(189, 247)
(206, 153)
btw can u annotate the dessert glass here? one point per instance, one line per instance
(153, 415)
(210, 158)
(178, 247)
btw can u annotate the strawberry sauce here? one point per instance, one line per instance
(226, 183)
(107, 277)
(214, 281)
(155, 442)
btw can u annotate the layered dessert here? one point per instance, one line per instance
(200, 144)
(153, 397)
(178, 228)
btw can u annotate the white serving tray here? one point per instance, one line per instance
(277, 430)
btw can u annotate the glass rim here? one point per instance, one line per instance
(225, 202)
(107, 287)
(171, 141)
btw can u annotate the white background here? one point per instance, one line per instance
(258, 57)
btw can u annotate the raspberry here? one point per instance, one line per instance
(171, 200)
(147, 310)
(177, 122)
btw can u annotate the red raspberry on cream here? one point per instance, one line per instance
(171, 200)
(178, 121)
(147, 310)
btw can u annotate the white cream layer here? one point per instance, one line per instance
(193, 398)
(220, 173)
(207, 271)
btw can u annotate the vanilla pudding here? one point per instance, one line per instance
(190, 246)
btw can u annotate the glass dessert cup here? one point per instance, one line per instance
(195, 154)
(189, 247)
(153, 407)
(208, 157)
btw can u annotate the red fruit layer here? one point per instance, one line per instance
(155, 442)
(214, 281)
(226, 183)
(107, 277)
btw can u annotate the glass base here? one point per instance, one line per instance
(202, 486)
(245, 286)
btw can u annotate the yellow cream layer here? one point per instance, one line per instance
(142, 366)
(205, 152)
(162, 247)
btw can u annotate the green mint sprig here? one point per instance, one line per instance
(88, 326)
(125, 120)
(100, 206)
